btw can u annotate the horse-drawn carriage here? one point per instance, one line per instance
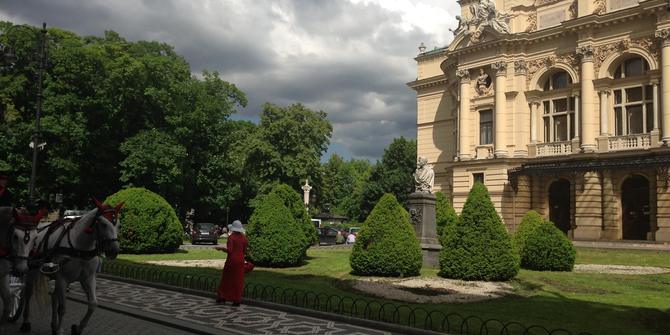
(66, 251)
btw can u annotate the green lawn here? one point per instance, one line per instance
(580, 302)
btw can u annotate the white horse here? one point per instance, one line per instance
(16, 241)
(73, 248)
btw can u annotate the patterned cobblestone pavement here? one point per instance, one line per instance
(225, 319)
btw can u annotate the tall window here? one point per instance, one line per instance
(633, 105)
(559, 112)
(486, 127)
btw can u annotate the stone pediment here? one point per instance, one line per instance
(466, 39)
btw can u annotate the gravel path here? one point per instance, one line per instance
(620, 269)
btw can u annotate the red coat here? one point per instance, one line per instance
(232, 276)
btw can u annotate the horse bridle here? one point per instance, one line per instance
(104, 241)
(26, 228)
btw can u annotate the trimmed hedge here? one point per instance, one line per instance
(275, 237)
(478, 246)
(293, 201)
(386, 244)
(148, 224)
(444, 213)
(530, 221)
(546, 248)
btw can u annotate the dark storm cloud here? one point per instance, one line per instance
(349, 60)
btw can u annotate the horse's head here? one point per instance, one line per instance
(105, 226)
(22, 241)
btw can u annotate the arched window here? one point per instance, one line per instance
(557, 81)
(559, 111)
(631, 67)
(633, 103)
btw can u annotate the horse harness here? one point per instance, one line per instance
(70, 250)
(6, 248)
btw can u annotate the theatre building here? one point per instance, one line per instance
(561, 106)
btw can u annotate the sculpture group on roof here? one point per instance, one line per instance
(483, 14)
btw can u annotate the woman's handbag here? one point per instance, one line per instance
(248, 266)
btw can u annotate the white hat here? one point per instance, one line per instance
(236, 226)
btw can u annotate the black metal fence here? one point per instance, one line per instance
(370, 309)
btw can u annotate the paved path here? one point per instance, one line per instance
(630, 245)
(201, 314)
(103, 322)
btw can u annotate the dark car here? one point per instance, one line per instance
(204, 232)
(327, 235)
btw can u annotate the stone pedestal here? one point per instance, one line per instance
(422, 217)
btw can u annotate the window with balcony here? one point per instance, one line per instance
(486, 127)
(558, 115)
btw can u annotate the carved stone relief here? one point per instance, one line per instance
(600, 6)
(535, 65)
(532, 22)
(520, 66)
(572, 10)
(603, 51)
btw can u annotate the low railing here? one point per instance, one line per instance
(554, 148)
(370, 309)
(629, 142)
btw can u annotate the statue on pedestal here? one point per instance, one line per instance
(424, 177)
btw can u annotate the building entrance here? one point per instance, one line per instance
(559, 204)
(635, 208)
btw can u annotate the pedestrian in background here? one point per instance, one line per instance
(232, 276)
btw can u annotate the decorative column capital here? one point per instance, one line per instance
(585, 53)
(663, 35)
(520, 66)
(604, 91)
(500, 68)
(463, 75)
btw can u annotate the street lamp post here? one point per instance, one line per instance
(9, 58)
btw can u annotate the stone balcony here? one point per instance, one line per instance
(629, 142)
(553, 148)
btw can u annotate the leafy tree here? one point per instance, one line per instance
(154, 160)
(478, 246)
(386, 245)
(289, 144)
(394, 174)
(342, 185)
(444, 213)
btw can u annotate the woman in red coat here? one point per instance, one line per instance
(232, 276)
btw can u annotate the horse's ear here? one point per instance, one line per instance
(117, 208)
(96, 202)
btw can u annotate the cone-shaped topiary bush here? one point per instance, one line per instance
(293, 201)
(546, 248)
(148, 224)
(275, 237)
(478, 246)
(444, 213)
(386, 244)
(530, 221)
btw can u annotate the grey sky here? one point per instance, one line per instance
(349, 58)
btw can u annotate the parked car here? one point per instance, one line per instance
(354, 230)
(73, 214)
(327, 235)
(204, 232)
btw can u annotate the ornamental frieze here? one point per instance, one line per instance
(535, 65)
(603, 51)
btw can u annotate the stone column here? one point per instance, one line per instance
(588, 206)
(520, 126)
(533, 121)
(664, 35)
(655, 133)
(500, 109)
(662, 205)
(611, 230)
(604, 125)
(463, 121)
(588, 115)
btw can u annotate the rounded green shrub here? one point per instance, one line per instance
(546, 248)
(293, 201)
(530, 221)
(148, 224)
(444, 213)
(478, 246)
(275, 237)
(386, 244)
